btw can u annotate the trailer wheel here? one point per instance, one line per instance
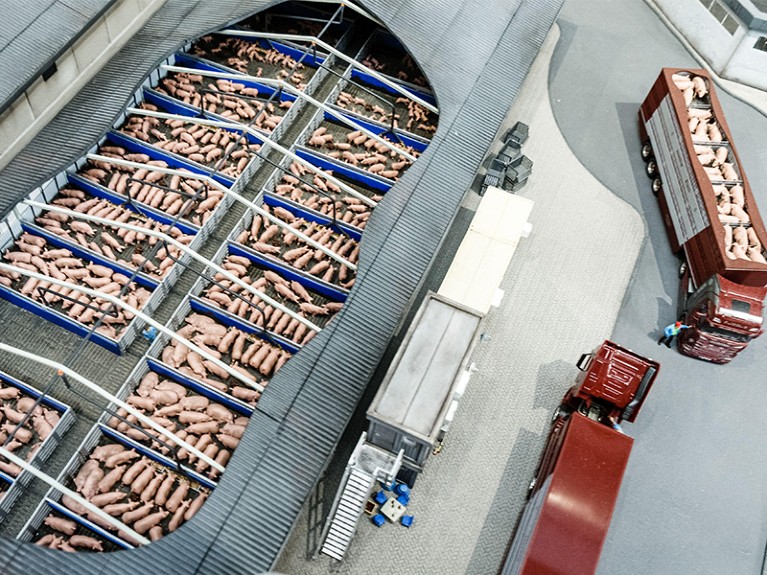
(651, 168)
(682, 269)
(647, 152)
(657, 186)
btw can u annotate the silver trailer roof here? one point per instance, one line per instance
(418, 387)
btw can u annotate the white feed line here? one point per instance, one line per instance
(351, 6)
(301, 38)
(77, 497)
(238, 198)
(242, 127)
(62, 369)
(169, 240)
(296, 92)
(121, 304)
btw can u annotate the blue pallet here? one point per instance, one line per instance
(154, 456)
(326, 289)
(86, 254)
(99, 191)
(366, 78)
(235, 321)
(47, 400)
(212, 394)
(173, 160)
(188, 61)
(377, 128)
(58, 319)
(88, 524)
(273, 200)
(363, 177)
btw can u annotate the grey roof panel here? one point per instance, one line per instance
(308, 403)
(35, 34)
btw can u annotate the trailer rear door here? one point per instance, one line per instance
(564, 525)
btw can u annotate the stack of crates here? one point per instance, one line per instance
(510, 169)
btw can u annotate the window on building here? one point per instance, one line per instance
(718, 11)
(761, 43)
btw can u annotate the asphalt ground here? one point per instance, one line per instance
(692, 499)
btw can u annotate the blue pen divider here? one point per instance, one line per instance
(99, 191)
(176, 321)
(363, 177)
(370, 181)
(371, 81)
(35, 522)
(273, 200)
(15, 225)
(98, 434)
(17, 485)
(294, 51)
(153, 96)
(416, 142)
(174, 161)
(183, 59)
(330, 291)
(148, 364)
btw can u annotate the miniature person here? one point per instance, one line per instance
(613, 420)
(670, 332)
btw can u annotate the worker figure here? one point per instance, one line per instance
(670, 332)
(613, 420)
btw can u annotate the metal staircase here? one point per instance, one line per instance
(367, 465)
(348, 510)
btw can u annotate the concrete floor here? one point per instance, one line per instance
(558, 304)
(693, 498)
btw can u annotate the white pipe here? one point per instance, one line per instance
(62, 369)
(352, 6)
(68, 492)
(121, 304)
(238, 198)
(300, 38)
(167, 239)
(296, 92)
(242, 127)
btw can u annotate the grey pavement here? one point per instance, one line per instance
(563, 292)
(692, 500)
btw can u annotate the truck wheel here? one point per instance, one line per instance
(556, 414)
(657, 186)
(682, 269)
(651, 168)
(647, 152)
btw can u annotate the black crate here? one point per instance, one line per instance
(517, 133)
(510, 154)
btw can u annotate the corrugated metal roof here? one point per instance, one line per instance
(35, 34)
(308, 404)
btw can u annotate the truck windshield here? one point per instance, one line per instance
(724, 333)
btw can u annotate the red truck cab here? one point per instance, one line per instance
(723, 317)
(613, 384)
(573, 493)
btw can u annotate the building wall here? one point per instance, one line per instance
(720, 36)
(748, 65)
(75, 67)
